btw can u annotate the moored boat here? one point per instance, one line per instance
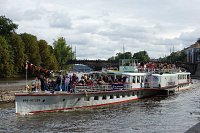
(129, 83)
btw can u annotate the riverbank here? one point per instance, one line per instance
(7, 93)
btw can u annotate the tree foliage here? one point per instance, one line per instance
(176, 56)
(31, 48)
(6, 66)
(44, 53)
(63, 52)
(141, 56)
(6, 26)
(126, 55)
(48, 59)
(18, 56)
(16, 49)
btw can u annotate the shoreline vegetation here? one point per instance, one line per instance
(18, 49)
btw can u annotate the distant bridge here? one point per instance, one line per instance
(190, 67)
(98, 64)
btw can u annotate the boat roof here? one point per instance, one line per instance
(125, 73)
(183, 73)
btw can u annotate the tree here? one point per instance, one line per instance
(44, 53)
(17, 52)
(31, 48)
(126, 55)
(63, 52)
(7, 26)
(6, 67)
(141, 56)
(177, 56)
(53, 62)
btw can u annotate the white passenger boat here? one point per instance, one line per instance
(135, 84)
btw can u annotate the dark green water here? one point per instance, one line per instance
(173, 114)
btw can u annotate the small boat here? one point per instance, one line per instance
(130, 82)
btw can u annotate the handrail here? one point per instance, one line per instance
(103, 87)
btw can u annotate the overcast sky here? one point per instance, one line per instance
(99, 28)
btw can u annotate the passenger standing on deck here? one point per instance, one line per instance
(41, 78)
(63, 83)
(70, 83)
(67, 80)
(59, 83)
(37, 84)
(74, 81)
(46, 87)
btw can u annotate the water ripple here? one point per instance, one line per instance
(175, 113)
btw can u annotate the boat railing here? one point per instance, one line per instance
(103, 87)
(93, 88)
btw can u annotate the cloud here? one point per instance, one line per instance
(60, 20)
(99, 29)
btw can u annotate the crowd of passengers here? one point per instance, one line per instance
(68, 82)
(155, 67)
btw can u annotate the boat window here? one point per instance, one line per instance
(123, 95)
(133, 94)
(111, 96)
(133, 79)
(87, 98)
(138, 79)
(128, 94)
(142, 79)
(104, 97)
(117, 96)
(96, 98)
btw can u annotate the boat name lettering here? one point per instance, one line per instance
(31, 100)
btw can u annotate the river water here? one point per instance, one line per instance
(172, 114)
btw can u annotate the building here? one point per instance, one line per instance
(193, 53)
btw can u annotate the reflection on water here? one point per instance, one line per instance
(175, 113)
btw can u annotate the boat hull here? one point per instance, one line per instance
(31, 103)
